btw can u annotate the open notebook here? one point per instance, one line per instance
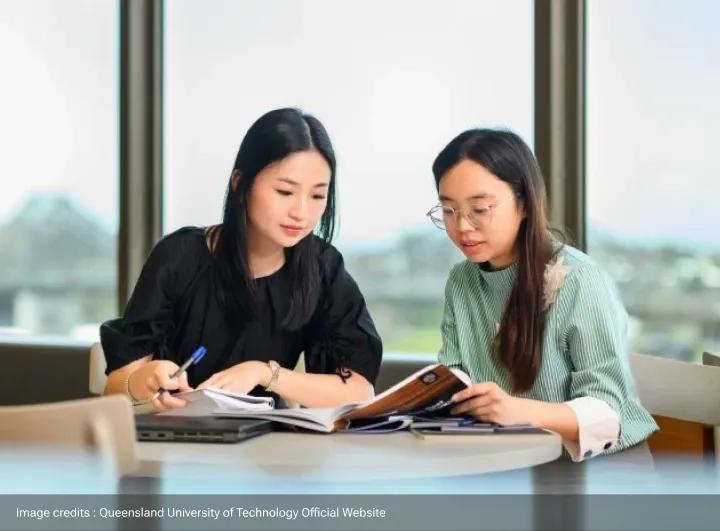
(202, 403)
(425, 392)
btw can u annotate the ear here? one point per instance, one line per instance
(521, 207)
(234, 179)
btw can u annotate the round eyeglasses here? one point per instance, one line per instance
(479, 216)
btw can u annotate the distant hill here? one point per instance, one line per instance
(52, 242)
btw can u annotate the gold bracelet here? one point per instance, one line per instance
(127, 388)
(275, 372)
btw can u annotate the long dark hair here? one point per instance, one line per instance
(518, 343)
(274, 136)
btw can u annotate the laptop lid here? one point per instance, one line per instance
(198, 429)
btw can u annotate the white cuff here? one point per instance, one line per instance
(598, 428)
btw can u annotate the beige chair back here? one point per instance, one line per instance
(97, 378)
(684, 399)
(104, 424)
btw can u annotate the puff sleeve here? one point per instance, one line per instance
(343, 334)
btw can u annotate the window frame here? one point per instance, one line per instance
(559, 125)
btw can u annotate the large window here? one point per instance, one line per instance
(392, 81)
(653, 176)
(58, 132)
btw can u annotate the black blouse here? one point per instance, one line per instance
(174, 309)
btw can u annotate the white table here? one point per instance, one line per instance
(354, 469)
(286, 457)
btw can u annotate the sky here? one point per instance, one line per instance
(392, 81)
(653, 75)
(58, 103)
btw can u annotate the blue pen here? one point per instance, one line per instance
(192, 360)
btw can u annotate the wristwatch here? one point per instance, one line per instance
(275, 372)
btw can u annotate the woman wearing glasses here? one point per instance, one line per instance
(535, 323)
(255, 291)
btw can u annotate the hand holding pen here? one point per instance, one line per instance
(194, 358)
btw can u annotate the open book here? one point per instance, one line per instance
(426, 392)
(202, 403)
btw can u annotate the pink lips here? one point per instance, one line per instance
(469, 245)
(292, 230)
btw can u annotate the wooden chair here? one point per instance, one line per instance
(104, 426)
(684, 399)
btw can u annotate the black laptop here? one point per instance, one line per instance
(198, 429)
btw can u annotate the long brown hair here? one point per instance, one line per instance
(518, 343)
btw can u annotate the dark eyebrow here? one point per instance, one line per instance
(477, 196)
(295, 183)
(482, 196)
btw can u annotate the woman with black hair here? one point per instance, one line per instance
(255, 291)
(537, 325)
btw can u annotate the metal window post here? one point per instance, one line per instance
(141, 109)
(560, 110)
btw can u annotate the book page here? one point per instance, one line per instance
(202, 402)
(427, 390)
(312, 418)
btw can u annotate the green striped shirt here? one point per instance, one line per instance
(584, 346)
